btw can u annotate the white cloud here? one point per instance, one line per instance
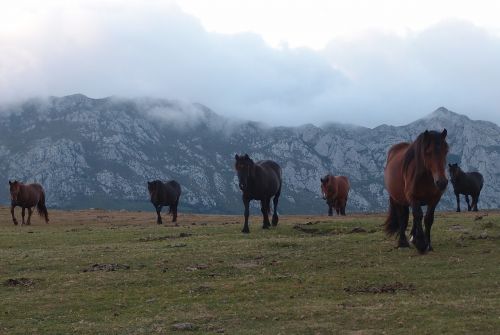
(158, 50)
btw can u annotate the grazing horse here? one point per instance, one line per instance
(467, 183)
(259, 181)
(165, 194)
(27, 196)
(415, 176)
(335, 190)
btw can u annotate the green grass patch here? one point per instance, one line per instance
(98, 272)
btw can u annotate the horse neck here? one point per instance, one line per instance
(254, 178)
(24, 193)
(414, 156)
(460, 175)
(333, 185)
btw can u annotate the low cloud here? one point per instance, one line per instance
(159, 51)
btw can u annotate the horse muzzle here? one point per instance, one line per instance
(441, 184)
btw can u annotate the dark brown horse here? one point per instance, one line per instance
(259, 181)
(466, 183)
(335, 190)
(27, 196)
(415, 176)
(165, 194)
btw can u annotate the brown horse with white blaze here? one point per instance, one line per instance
(27, 196)
(335, 190)
(415, 176)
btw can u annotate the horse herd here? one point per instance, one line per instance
(414, 176)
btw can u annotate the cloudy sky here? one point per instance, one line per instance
(282, 62)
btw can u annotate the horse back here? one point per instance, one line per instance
(267, 181)
(342, 186)
(477, 178)
(166, 193)
(174, 187)
(393, 172)
(31, 195)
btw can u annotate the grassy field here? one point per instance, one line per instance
(310, 275)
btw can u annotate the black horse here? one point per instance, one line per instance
(165, 194)
(467, 183)
(259, 181)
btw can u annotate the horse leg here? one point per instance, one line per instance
(23, 212)
(428, 221)
(174, 211)
(468, 203)
(418, 237)
(330, 210)
(342, 208)
(158, 213)
(12, 213)
(475, 199)
(458, 201)
(264, 207)
(275, 209)
(246, 202)
(30, 211)
(403, 214)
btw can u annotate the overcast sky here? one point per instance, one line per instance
(281, 62)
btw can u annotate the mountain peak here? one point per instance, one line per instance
(444, 113)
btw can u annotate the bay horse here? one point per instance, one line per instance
(335, 190)
(415, 176)
(466, 183)
(259, 181)
(27, 196)
(165, 194)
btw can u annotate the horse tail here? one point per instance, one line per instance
(42, 210)
(391, 225)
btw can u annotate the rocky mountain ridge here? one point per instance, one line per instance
(100, 153)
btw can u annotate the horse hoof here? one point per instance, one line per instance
(275, 221)
(421, 247)
(403, 244)
(245, 231)
(266, 226)
(458, 210)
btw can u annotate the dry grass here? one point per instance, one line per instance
(103, 272)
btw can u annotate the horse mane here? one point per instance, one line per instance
(414, 154)
(155, 184)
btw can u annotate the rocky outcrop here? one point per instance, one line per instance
(101, 152)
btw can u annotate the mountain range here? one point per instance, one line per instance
(101, 152)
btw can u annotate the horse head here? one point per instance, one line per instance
(324, 186)
(454, 171)
(433, 151)
(15, 188)
(245, 168)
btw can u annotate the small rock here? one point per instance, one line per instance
(184, 326)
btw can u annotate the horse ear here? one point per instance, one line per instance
(236, 157)
(444, 133)
(10, 183)
(449, 164)
(246, 156)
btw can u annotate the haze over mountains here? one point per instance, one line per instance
(101, 152)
